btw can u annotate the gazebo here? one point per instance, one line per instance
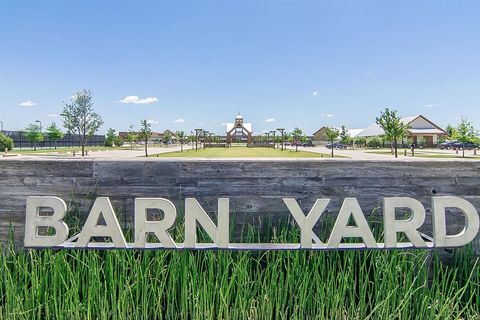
(239, 130)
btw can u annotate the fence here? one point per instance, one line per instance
(69, 140)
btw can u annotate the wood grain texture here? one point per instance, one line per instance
(254, 187)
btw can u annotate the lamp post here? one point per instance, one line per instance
(273, 133)
(205, 132)
(41, 146)
(197, 132)
(281, 131)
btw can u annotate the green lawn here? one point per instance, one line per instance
(241, 152)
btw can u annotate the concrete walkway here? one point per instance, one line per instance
(347, 155)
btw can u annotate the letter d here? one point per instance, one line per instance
(469, 232)
(33, 221)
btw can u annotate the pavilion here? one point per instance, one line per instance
(239, 131)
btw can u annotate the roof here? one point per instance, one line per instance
(354, 132)
(247, 126)
(351, 132)
(426, 127)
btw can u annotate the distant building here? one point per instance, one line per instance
(239, 131)
(423, 131)
(320, 137)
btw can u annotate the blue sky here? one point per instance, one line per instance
(280, 63)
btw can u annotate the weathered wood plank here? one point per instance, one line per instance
(254, 187)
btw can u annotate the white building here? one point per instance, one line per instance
(423, 131)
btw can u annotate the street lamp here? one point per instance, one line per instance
(41, 146)
(281, 131)
(273, 133)
(197, 132)
(205, 133)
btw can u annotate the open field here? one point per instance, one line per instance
(241, 152)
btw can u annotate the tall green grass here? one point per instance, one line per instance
(165, 284)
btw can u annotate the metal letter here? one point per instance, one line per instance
(306, 223)
(409, 226)
(341, 230)
(469, 232)
(33, 220)
(111, 228)
(143, 226)
(194, 212)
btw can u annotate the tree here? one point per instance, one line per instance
(145, 133)
(118, 141)
(296, 135)
(54, 133)
(34, 134)
(181, 136)
(465, 132)
(393, 127)
(167, 136)
(344, 136)
(451, 132)
(131, 136)
(110, 137)
(191, 138)
(332, 134)
(6, 143)
(79, 117)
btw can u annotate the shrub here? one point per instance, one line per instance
(118, 141)
(108, 142)
(5, 143)
(374, 143)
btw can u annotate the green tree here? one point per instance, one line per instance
(181, 136)
(465, 132)
(131, 136)
(34, 134)
(6, 143)
(54, 133)
(393, 127)
(360, 141)
(374, 142)
(191, 138)
(118, 141)
(296, 136)
(451, 132)
(79, 117)
(110, 137)
(332, 134)
(145, 133)
(167, 137)
(344, 136)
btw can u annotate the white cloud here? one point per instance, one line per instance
(137, 100)
(180, 120)
(327, 115)
(315, 93)
(432, 105)
(223, 124)
(53, 115)
(27, 103)
(152, 121)
(270, 120)
(368, 74)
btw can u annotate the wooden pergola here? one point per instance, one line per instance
(239, 129)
